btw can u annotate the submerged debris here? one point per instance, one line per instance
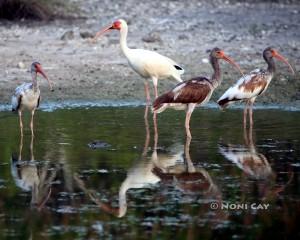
(96, 144)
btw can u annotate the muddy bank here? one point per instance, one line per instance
(183, 31)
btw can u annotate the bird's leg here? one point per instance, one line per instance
(31, 123)
(245, 115)
(187, 125)
(155, 130)
(31, 148)
(189, 163)
(147, 140)
(21, 123)
(251, 113)
(146, 113)
(189, 112)
(148, 100)
(154, 79)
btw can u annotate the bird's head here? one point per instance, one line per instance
(219, 54)
(116, 25)
(36, 68)
(270, 52)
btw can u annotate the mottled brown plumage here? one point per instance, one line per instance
(196, 91)
(253, 84)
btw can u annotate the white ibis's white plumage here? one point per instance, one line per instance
(253, 84)
(147, 64)
(193, 92)
(27, 95)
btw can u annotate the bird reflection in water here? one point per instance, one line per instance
(31, 176)
(158, 168)
(254, 165)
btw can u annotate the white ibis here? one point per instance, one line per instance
(147, 64)
(27, 96)
(196, 91)
(253, 84)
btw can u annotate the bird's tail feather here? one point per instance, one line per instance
(160, 103)
(225, 102)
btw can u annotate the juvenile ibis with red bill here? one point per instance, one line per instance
(250, 86)
(196, 91)
(28, 95)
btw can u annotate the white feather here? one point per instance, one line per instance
(237, 92)
(151, 64)
(29, 96)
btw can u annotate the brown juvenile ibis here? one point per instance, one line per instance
(253, 84)
(196, 91)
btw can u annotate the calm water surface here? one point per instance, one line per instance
(225, 183)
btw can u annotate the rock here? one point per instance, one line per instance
(21, 65)
(183, 37)
(68, 35)
(97, 144)
(86, 34)
(152, 37)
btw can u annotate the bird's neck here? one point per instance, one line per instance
(122, 198)
(271, 64)
(34, 81)
(123, 40)
(216, 76)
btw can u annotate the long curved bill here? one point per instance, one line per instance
(101, 32)
(41, 71)
(281, 58)
(228, 59)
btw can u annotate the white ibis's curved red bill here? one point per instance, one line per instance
(104, 30)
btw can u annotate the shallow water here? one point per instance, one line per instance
(139, 186)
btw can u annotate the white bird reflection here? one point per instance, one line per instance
(175, 165)
(32, 177)
(254, 164)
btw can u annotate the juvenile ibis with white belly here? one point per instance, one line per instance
(27, 95)
(253, 84)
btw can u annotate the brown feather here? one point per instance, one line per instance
(195, 90)
(257, 81)
(164, 98)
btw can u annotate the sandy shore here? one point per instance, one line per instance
(181, 30)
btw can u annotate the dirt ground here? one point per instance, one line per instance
(181, 30)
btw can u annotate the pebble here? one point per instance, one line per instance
(152, 37)
(86, 34)
(68, 35)
(21, 65)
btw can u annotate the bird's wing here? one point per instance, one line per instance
(196, 90)
(154, 60)
(247, 87)
(17, 96)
